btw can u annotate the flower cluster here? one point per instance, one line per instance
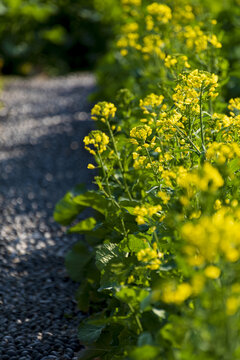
(176, 294)
(99, 141)
(131, 2)
(152, 101)
(140, 134)
(197, 39)
(150, 257)
(221, 152)
(233, 300)
(162, 12)
(183, 13)
(212, 237)
(152, 44)
(234, 104)
(229, 125)
(146, 211)
(206, 178)
(192, 87)
(103, 111)
(173, 60)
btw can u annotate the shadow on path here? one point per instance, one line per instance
(41, 157)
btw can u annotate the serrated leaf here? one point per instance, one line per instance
(83, 226)
(105, 254)
(89, 333)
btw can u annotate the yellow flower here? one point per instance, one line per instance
(152, 44)
(131, 2)
(162, 12)
(232, 305)
(151, 257)
(91, 166)
(98, 140)
(152, 101)
(196, 38)
(221, 152)
(211, 237)
(140, 133)
(145, 211)
(206, 179)
(218, 204)
(176, 294)
(164, 196)
(212, 272)
(103, 111)
(170, 61)
(234, 104)
(191, 86)
(131, 27)
(130, 279)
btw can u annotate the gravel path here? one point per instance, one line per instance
(41, 157)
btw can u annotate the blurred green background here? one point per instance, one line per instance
(60, 36)
(52, 36)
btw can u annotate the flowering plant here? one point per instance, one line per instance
(159, 264)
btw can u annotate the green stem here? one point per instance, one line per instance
(119, 161)
(187, 138)
(201, 120)
(137, 318)
(150, 160)
(114, 202)
(105, 176)
(155, 236)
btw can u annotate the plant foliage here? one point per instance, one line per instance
(159, 263)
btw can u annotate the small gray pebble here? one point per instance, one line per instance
(11, 353)
(40, 147)
(5, 357)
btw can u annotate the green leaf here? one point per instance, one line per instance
(89, 333)
(66, 209)
(92, 199)
(132, 295)
(129, 205)
(146, 303)
(83, 226)
(90, 354)
(3, 9)
(82, 296)
(105, 254)
(145, 338)
(133, 243)
(76, 259)
(145, 352)
(56, 35)
(234, 165)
